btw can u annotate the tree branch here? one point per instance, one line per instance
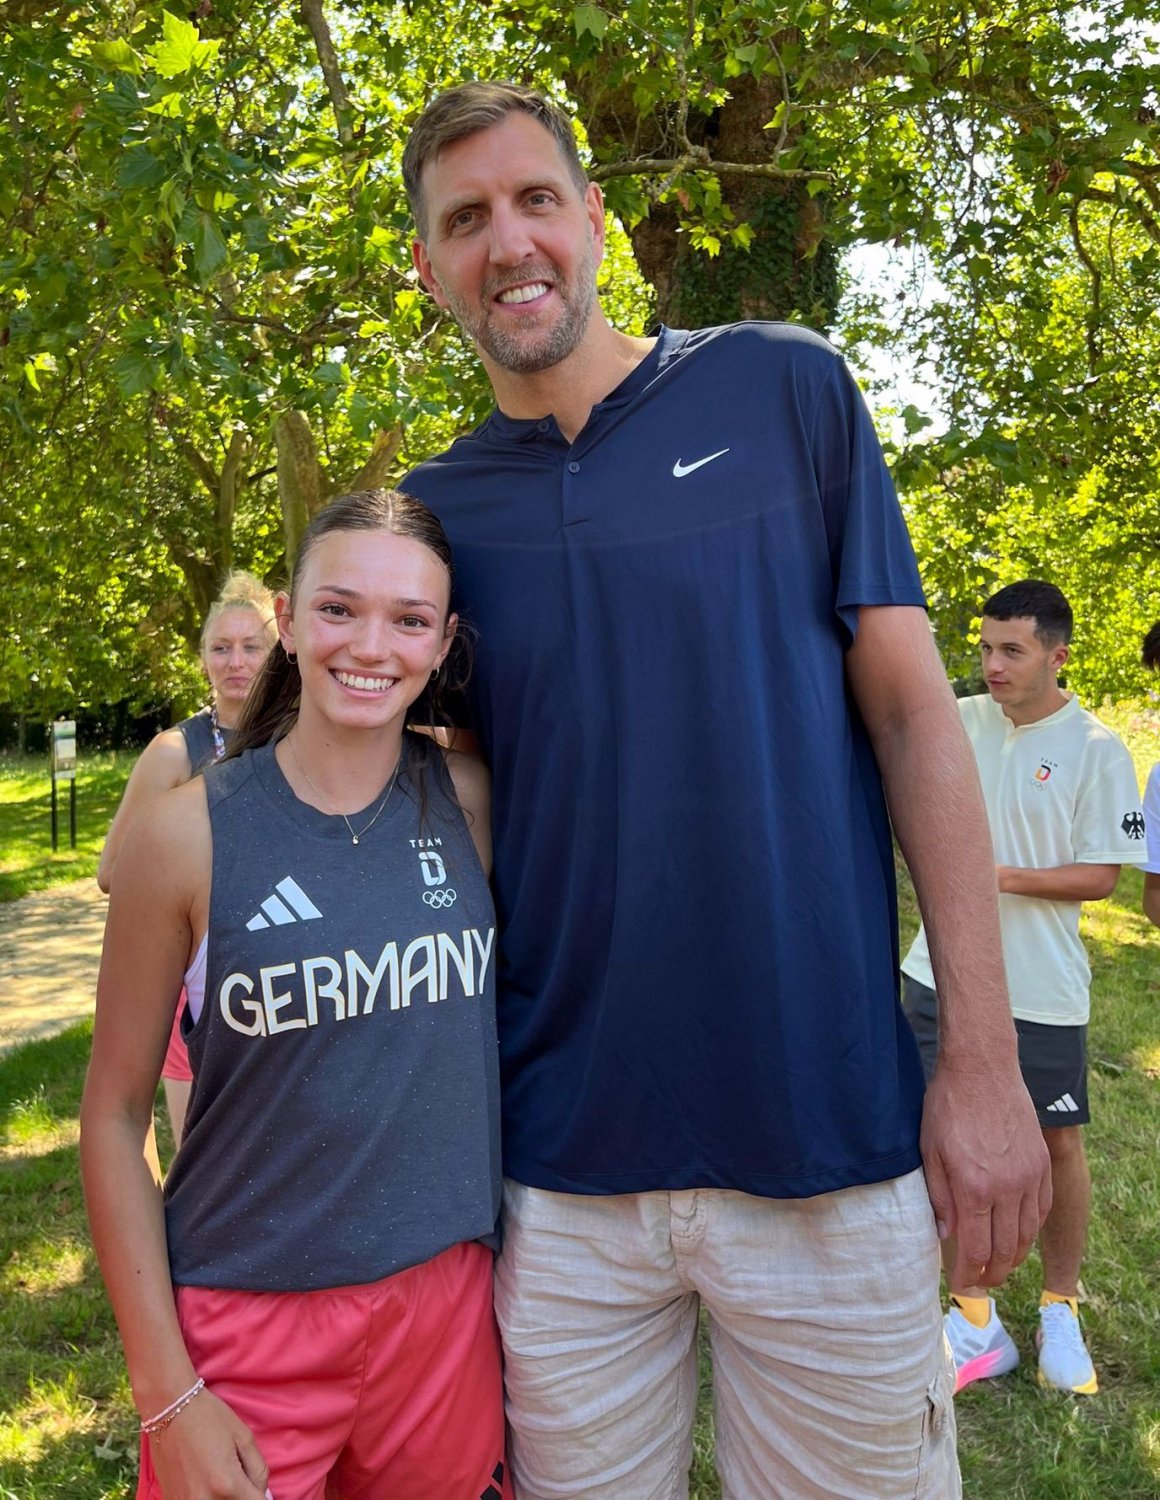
(315, 19)
(1093, 342)
(384, 451)
(699, 160)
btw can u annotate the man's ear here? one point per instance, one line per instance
(1060, 657)
(594, 207)
(422, 263)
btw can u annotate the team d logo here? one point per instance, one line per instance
(440, 894)
(1044, 772)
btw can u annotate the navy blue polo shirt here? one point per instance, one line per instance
(693, 865)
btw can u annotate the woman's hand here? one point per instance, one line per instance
(208, 1453)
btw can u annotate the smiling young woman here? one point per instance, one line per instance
(306, 1308)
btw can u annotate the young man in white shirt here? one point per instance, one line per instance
(1063, 805)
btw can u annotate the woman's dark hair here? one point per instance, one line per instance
(272, 704)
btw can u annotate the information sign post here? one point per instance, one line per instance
(63, 741)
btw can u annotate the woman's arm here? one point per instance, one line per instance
(472, 783)
(163, 764)
(157, 910)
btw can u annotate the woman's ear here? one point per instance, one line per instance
(449, 633)
(285, 621)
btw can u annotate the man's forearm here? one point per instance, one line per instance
(936, 805)
(1077, 882)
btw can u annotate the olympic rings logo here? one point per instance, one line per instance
(440, 899)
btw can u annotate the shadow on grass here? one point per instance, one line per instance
(51, 1070)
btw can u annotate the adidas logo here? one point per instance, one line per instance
(1065, 1105)
(289, 904)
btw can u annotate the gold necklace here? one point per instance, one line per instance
(354, 837)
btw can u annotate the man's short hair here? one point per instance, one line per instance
(1150, 653)
(466, 110)
(1032, 599)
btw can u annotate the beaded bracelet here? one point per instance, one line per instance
(163, 1418)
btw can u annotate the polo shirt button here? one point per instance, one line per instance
(542, 426)
(573, 467)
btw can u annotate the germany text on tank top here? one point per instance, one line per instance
(344, 1122)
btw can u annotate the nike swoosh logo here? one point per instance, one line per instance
(680, 469)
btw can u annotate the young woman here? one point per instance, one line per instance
(308, 1309)
(235, 640)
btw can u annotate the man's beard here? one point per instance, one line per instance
(529, 352)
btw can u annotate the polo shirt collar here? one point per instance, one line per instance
(1065, 711)
(520, 429)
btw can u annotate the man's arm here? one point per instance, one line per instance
(987, 1168)
(1078, 882)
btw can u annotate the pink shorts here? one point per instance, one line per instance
(390, 1391)
(176, 1064)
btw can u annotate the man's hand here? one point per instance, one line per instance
(987, 1169)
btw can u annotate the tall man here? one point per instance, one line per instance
(702, 650)
(1064, 810)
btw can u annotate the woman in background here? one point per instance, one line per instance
(235, 640)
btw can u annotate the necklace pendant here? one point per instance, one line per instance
(354, 838)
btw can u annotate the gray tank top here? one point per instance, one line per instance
(344, 1122)
(197, 732)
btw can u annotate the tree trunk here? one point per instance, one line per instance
(299, 477)
(790, 270)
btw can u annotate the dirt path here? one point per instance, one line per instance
(50, 948)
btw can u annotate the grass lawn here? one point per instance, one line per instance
(67, 1430)
(27, 862)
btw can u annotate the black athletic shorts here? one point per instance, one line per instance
(1053, 1059)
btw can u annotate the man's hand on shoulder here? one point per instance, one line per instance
(987, 1168)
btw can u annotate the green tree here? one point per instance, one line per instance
(209, 322)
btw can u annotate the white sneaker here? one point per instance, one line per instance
(1064, 1361)
(979, 1353)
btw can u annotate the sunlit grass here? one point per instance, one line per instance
(45, 1268)
(27, 860)
(28, 1121)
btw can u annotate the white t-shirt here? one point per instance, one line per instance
(1061, 791)
(1152, 821)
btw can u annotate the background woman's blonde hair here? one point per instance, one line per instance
(244, 591)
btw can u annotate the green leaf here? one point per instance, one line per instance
(182, 48)
(169, 107)
(209, 248)
(140, 169)
(134, 372)
(118, 54)
(590, 19)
